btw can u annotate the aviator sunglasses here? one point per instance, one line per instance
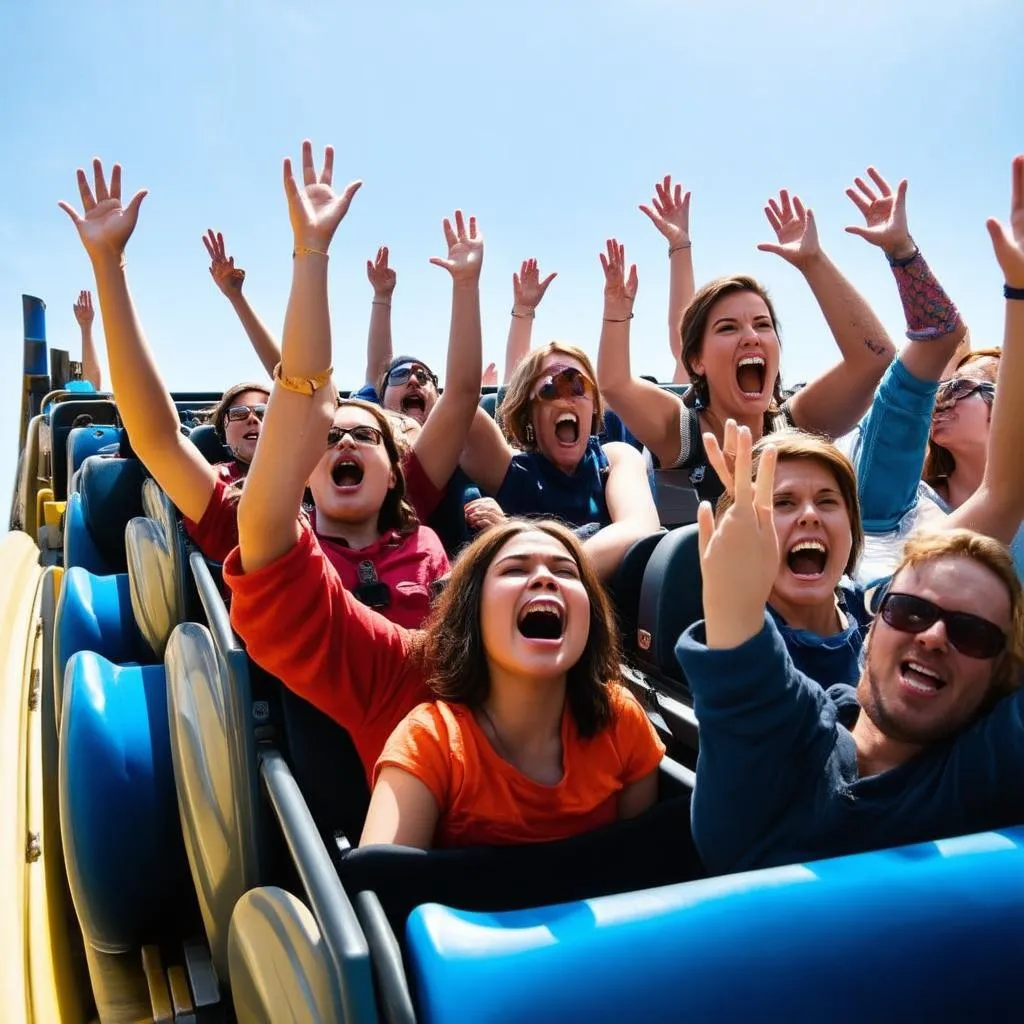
(957, 388)
(567, 383)
(401, 374)
(970, 634)
(237, 413)
(361, 435)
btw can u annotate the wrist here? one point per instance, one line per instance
(618, 311)
(381, 300)
(465, 284)
(675, 248)
(523, 311)
(902, 250)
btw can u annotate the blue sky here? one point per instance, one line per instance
(548, 120)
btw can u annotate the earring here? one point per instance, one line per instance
(529, 433)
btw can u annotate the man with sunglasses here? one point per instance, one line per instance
(929, 744)
(407, 385)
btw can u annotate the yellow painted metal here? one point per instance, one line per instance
(43, 495)
(36, 981)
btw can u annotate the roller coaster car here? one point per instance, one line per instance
(182, 847)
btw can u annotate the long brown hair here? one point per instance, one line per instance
(695, 322)
(454, 646)
(514, 413)
(792, 444)
(939, 462)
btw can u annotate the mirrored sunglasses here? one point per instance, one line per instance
(400, 374)
(567, 383)
(957, 388)
(241, 412)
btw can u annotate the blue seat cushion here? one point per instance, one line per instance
(941, 925)
(94, 440)
(111, 494)
(118, 807)
(208, 441)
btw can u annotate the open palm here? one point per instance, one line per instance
(316, 209)
(465, 249)
(106, 225)
(1008, 241)
(794, 228)
(884, 212)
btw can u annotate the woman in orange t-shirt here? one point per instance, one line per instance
(528, 741)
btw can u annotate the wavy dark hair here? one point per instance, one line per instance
(695, 322)
(453, 636)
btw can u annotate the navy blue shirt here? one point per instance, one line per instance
(777, 775)
(830, 659)
(534, 486)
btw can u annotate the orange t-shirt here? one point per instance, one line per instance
(485, 801)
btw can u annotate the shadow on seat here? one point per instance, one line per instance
(625, 586)
(670, 600)
(119, 822)
(61, 419)
(206, 439)
(92, 440)
(109, 495)
(676, 498)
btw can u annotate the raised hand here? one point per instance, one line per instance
(106, 225)
(739, 554)
(380, 275)
(225, 274)
(619, 290)
(482, 513)
(490, 376)
(527, 287)
(723, 456)
(795, 229)
(1008, 240)
(465, 250)
(316, 209)
(83, 309)
(884, 213)
(670, 213)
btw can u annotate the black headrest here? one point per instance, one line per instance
(676, 497)
(670, 600)
(624, 588)
(111, 495)
(489, 403)
(207, 440)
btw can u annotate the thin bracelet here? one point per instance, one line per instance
(679, 248)
(381, 302)
(1010, 292)
(304, 250)
(905, 261)
(624, 320)
(524, 316)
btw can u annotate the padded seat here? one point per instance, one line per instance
(206, 439)
(62, 417)
(118, 814)
(670, 600)
(86, 441)
(625, 586)
(109, 495)
(940, 925)
(675, 497)
(489, 403)
(94, 613)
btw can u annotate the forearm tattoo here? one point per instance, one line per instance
(930, 312)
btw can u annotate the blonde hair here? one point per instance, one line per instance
(514, 413)
(929, 546)
(793, 444)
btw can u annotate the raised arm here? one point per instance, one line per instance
(650, 414)
(630, 505)
(439, 444)
(142, 399)
(302, 403)
(229, 280)
(997, 507)
(670, 214)
(527, 291)
(85, 315)
(894, 434)
(379, 347)
(833, 403)
(934, 325)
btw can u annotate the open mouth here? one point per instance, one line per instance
(412, 402)
(251, 435)
(567, 428)
(542, 620)
(347, 473)
(920, 679)
(807, 559)
(750, 374)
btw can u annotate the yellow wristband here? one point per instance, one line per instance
(304, 250)
(303, 385)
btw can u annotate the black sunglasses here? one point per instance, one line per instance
(957, 388)
(361, 435)
(969, 634)
(400, 374)
(566, 383)
(238, 413)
